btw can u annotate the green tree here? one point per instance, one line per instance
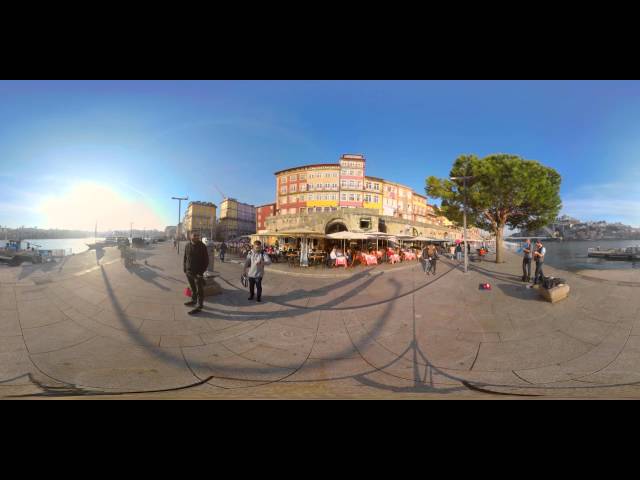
(504, 190)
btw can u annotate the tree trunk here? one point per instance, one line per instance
(499, 231)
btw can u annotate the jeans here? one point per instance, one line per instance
(539, 274)
(222, 256)
(433, 265)
(255, 282)
(459, 256)
(196, 282)
(526, 269)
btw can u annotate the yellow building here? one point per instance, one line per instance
(373, 194)
(200, 217)
(419, 208)
(236, 219)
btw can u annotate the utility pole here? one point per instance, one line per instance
(464, 218)
(179, 210)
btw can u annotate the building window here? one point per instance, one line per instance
(327, 209)
(352, 197)
(343, 197)
(283, 189)
(318, 209)
(301, 210)
(292, 178)
(294, 188)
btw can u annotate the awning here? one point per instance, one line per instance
(298, 232)
(348, 236)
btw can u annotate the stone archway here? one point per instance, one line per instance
(336, 225)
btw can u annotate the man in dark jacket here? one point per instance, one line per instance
(195, 263)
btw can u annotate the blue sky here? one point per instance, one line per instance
(117, 151)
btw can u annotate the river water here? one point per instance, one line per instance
(572, 255)
(70, 245)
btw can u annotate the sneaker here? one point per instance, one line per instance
(190, 303)
(258, 299)
(250, 298)
(195, 310)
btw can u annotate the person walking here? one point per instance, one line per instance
(538, 257)
(223, 250)
(459, 252)
(426, 263)
(526, 260)
(254, 269)
(433, 257)
(194, 264)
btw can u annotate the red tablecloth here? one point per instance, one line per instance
(409, 256)
(341, 261)
(371, 259)
(395, 258)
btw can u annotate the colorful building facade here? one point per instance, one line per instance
(328, 187)
(262, 212)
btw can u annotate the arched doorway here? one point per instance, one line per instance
(335, 226)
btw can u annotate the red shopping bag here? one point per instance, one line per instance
(187, 292)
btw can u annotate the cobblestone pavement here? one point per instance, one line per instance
(93, 329)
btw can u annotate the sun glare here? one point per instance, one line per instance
(86, 203)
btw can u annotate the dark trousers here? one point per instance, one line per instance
(433, 265)
(526, 269)
(255, 282)
(222, 256)
(196, 282)
(539, 274)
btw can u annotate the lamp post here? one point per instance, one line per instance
(464, 218)
(179, 210)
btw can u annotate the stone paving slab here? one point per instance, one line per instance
(374, 333)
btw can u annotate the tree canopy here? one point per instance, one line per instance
(503, 190)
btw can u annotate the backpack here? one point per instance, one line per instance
(551, 282)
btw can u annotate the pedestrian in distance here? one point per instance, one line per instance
(223, 250)
(254, 269)
(195, 263)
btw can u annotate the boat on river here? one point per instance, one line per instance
(628, 253)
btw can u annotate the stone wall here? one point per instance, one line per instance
(351, 218)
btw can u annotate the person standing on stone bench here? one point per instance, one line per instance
(526, 261)
(195, 263)
(538, 256)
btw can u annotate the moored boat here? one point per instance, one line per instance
(628, 253)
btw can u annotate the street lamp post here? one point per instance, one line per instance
(179, 211)
(464, 218)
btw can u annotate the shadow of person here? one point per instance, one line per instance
(99, 254)
(519, 291)
(148, 275)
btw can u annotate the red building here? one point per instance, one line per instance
(262, 212)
